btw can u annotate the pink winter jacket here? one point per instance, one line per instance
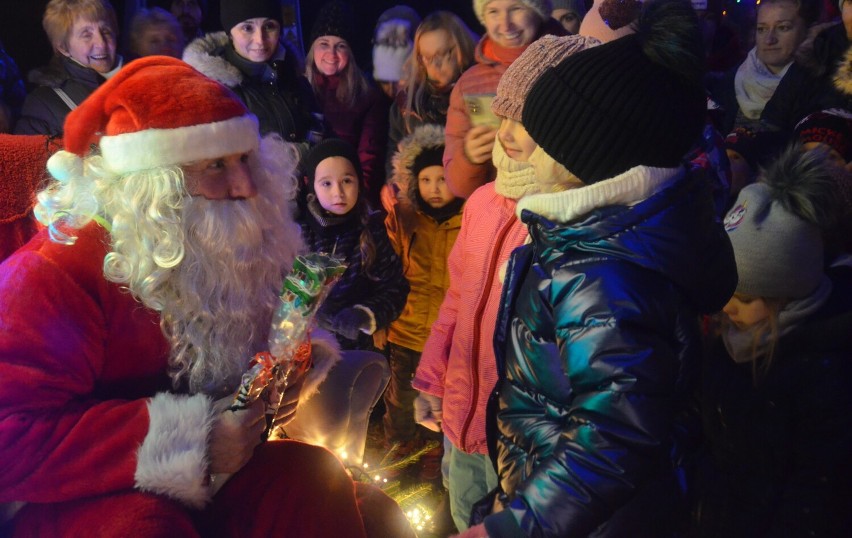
(458, 361)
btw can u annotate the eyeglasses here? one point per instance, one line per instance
(438, 59)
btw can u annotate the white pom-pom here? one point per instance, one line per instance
(64, 164)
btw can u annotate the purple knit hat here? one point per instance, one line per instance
(541, 55)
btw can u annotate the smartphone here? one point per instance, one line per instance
(479, 110)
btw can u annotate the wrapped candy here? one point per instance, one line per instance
(305, 288)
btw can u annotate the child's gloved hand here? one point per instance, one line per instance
(350, 321)
(427, 411)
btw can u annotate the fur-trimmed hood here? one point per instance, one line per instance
(427, 136)
(843, 75)
(206, 54)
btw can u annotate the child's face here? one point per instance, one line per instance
(437, 54)
(336, 185)
(433, 188)
(746, 311)
(516, 141)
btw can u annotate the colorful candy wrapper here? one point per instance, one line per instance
(305, 288)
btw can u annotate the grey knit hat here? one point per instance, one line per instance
(541, 7)
(776, 227)
(542, 54)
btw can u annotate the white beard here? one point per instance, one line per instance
(217, 288)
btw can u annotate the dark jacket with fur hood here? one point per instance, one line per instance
(275, 91)
(44, 111)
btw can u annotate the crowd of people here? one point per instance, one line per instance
(595, 263)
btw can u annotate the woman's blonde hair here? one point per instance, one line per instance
(463, 43)
(59, 17)
(353, 86)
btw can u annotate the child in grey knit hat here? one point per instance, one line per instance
(774, 387)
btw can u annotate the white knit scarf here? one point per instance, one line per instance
(514, 178)
(755, 84)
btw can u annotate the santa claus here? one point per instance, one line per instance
(125, 326)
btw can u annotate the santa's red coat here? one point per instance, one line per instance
(85, 407)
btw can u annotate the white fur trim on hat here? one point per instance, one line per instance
(152, 148)
(172, 460)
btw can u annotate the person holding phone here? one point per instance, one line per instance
(510, 27)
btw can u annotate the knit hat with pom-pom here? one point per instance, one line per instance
(634, 101)
(542, 8)
(393, 42)
(156, 111)
(776, 226)
(519, 77)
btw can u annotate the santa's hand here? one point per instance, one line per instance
(290, 400)
(427, 411)
(235, 435)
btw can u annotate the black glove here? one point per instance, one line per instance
(349, 321)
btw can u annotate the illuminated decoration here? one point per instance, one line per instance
(416, 501)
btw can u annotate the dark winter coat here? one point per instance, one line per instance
(276, 92)
(808, 85)
(597, 345)
(384, 290)
(363, 124)
(779, 459)
(44, 111)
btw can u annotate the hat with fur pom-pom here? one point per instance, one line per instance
(776, 226)
(156, 111)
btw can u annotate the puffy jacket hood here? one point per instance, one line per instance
(207, 55)
(427, 136)
(698, 258)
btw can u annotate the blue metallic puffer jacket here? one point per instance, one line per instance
(597, 345)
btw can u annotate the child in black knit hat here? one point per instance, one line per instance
(598, 336)
(338, 220)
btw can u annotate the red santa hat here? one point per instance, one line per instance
(156, 111)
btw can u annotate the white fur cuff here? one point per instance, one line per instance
(172, 460)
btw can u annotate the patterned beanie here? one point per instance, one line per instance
(541, 55)
(637, 100)
(233, 12)
(831, 127)
(776, 227)
(335, 18)
(541, 7)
